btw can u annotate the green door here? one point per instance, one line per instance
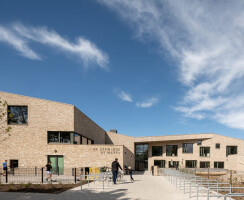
(57, 163)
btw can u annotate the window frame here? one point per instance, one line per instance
(184, 147)
(217, 164)
(72, 138)
(227, 152)
(9, 112)
(193, 161)
(217, 145)
(163, 162)
(205, 162)
(171, 155)
(157, 151)
(201, 152)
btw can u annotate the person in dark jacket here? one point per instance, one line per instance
(115, 168)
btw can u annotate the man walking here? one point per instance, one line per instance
(5, 168)
(48, 171)
(115, 168)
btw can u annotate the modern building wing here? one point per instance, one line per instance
(43, 130)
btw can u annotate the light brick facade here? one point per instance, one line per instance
(29, 143)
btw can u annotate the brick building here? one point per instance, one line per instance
(43, 130)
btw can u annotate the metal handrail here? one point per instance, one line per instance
(233, 195)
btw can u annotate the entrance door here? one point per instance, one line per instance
(57, 163)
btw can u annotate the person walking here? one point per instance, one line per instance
(5, 167)
(48, 171)
(115, 168)
(130, 173)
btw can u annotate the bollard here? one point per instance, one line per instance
(75, 175)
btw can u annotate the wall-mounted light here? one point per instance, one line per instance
(55, 151)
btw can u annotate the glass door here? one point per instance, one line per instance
(57, 163)
(141, 157)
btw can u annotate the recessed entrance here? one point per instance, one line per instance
(141, 157)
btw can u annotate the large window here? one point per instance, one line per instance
(231, 150)
(219, 165)
(173, 164)
(17, 115)
(187, 148)
(205, 151)
(191, 163)
(171, 150)
(204, 164)
(157, 150)
(159, 163)
(61, 137)
(141, 157)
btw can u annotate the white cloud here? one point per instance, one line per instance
(19, 36)
(124, 96)
(207, 44)
(147, 103)
(18, 43)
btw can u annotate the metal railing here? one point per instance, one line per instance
(102, 177)
(233, 195)
(198, 186)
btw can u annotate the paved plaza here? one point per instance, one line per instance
(145, 187)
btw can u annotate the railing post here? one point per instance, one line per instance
(42, 174)
(75, 175)
(190, 190)
(103, 181)
(58, 170)
(7, 175)
(35, 171)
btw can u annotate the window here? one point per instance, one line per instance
(217, 146)
(159, 163)
(173, 164)
(92, 141)
(219, 165)
(141, 157)
(65, 137)
(62, 137)
(14, 163)
(231, 150)
(199, 142)
(84, 140)
(204, 164)
(157, 150)
(53, 137)
(205, 151)
(171, 150)
(191, 163)
(77, 139)
(187, 148)
(17, 115)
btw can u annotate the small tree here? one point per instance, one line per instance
(4, 128)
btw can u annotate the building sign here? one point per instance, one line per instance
(109, 151)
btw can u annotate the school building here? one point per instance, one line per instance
(43, 130)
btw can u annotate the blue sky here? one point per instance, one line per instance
(142, 67)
